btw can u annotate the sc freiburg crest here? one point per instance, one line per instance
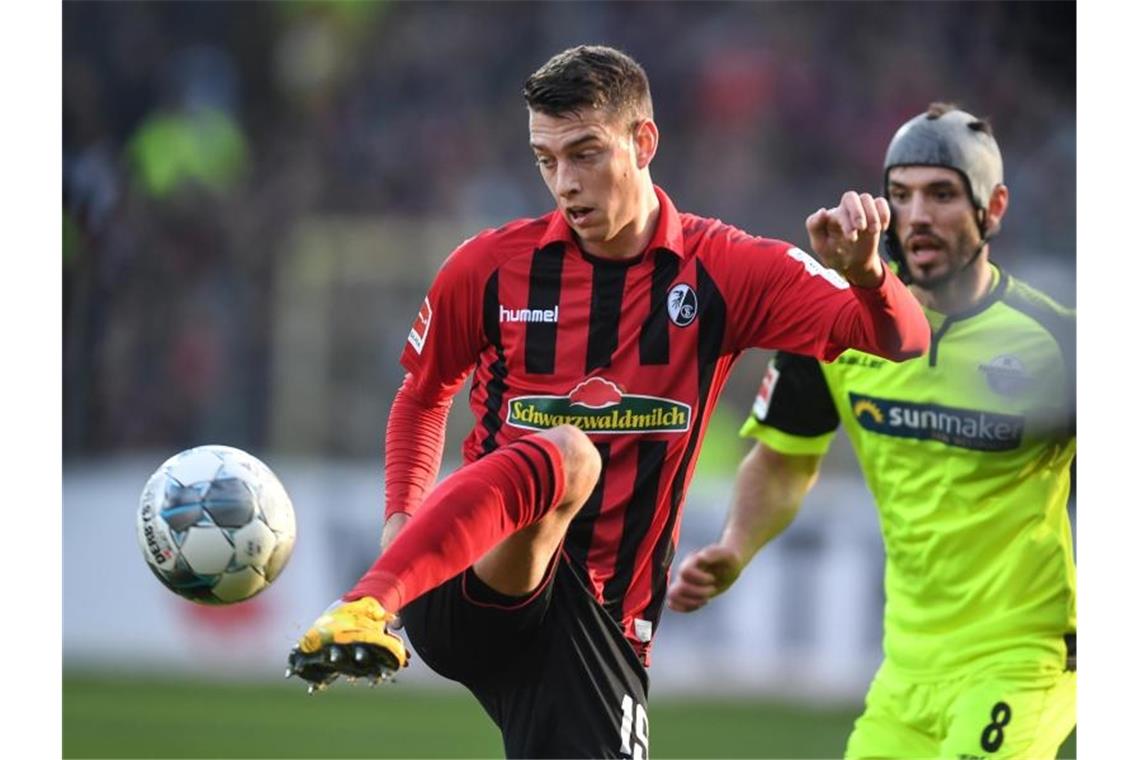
(682, 305)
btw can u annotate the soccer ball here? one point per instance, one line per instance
(215, 525)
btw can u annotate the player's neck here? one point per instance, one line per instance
(962, 291)
(632, 239)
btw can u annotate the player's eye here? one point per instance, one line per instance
(544, 162)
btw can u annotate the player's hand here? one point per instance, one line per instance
(702, 575)
(846, 238)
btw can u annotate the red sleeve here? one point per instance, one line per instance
(886, 320)
(443, 346)
(447, 335)
(779, 297)
(413, 447)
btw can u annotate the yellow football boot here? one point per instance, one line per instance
(349, 639)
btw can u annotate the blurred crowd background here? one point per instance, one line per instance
(256, 195)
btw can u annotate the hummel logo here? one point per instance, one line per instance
(527, 315)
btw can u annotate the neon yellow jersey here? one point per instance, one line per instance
(966, 451)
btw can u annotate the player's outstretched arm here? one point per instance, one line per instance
(846, 238)
(769, 489)
(884, 319)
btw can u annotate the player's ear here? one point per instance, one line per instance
(999, 203)
(645, 137)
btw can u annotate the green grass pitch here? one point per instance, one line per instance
(155, 717)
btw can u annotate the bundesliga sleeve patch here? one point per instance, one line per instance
(764, 396)
(418, 336)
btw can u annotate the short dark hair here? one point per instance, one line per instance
(590, 76)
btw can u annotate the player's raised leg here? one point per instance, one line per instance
(506, 514)
(518, 563)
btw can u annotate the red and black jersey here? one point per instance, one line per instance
(634, 353)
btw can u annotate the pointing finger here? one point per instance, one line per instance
(870, 212)
(884, 210)
(817, 223)
(853, 205)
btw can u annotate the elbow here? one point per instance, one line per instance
(913, 346)
(910, 352)
(908, 345)
(914, 335)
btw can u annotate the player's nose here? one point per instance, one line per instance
(566, 181)
(917, 210)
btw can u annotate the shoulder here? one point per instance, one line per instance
(1028, 302)
(488, 249)
(512, 238)
(708, 235)
(1035, 304)
(726, 250)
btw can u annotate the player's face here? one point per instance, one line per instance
(589, 161)
(935, 220)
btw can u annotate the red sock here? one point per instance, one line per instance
(466, 516)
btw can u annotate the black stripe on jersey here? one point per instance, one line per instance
(710, 339)
(654, 343)
(545, 289)
(800, 403)
(638, 520)
(580, 535)
(497, 385)
(605, 314)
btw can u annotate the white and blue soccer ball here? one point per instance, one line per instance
(215, 525)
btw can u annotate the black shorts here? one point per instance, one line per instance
(553, 670)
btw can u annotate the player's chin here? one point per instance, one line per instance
(925, 267)
(928, 277)
(594, 239)
(592, 230)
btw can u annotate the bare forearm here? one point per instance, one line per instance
(769, 490)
